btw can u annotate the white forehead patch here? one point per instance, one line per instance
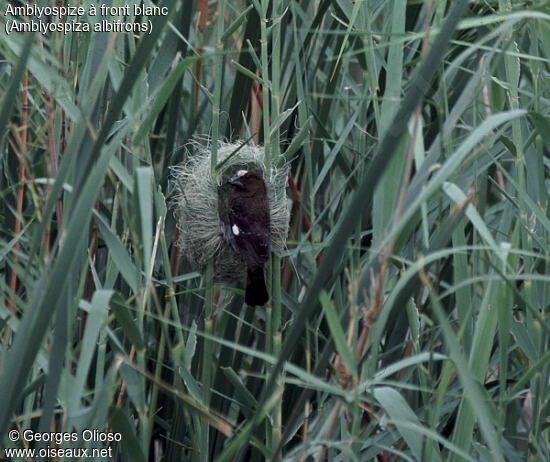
(235, 230)
(242, 173)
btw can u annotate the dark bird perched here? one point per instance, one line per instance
(246, 228)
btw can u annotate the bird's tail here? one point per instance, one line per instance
(256, 291)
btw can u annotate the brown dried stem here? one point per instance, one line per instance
(21, 178)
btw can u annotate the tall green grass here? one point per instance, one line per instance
(409, 315)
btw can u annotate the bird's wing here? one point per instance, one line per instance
(251, 236)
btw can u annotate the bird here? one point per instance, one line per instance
(246, 227)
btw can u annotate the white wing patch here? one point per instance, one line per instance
(242, 173)
(235, 230)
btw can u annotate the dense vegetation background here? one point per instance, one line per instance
(408, 318)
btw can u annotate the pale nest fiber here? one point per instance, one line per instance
(197, 205)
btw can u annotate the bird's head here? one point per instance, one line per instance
(247, 182)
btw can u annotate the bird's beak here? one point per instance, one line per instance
(236, 180)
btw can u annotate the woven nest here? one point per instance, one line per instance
(197, 206)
